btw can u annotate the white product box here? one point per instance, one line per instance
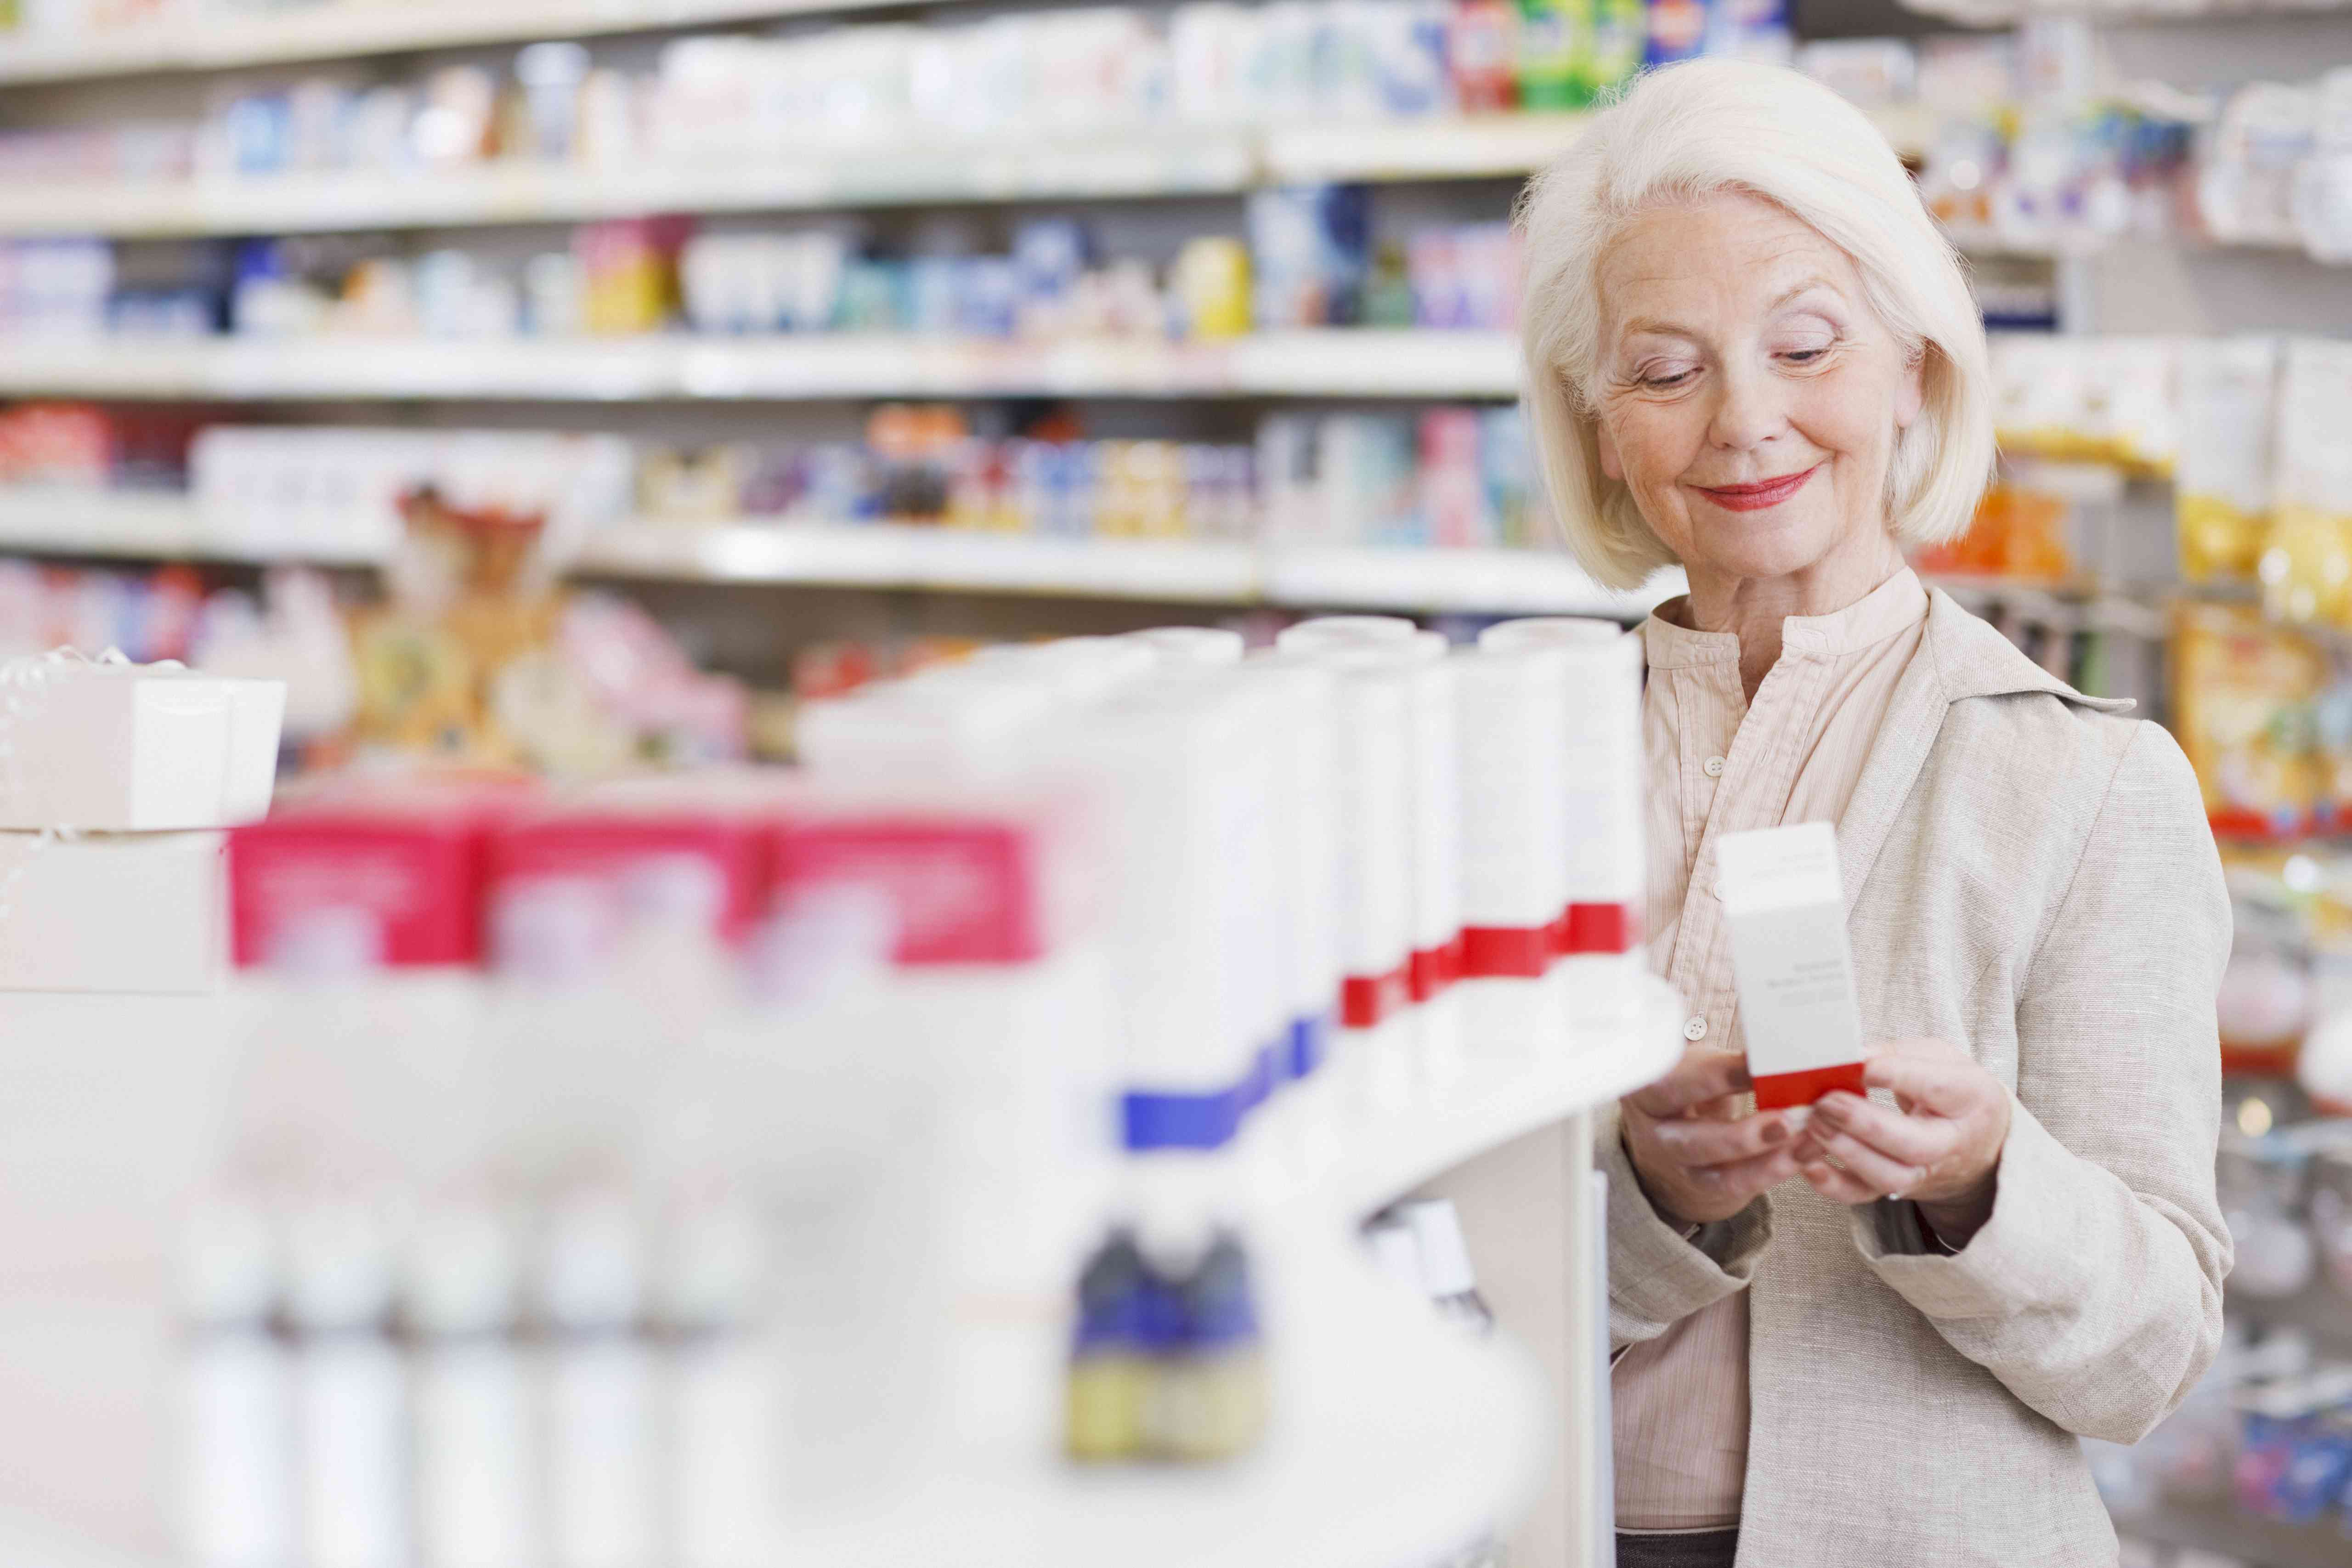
(145, 914)
(122, 748)
(1793, 962)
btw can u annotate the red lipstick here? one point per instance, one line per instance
(1756, 497)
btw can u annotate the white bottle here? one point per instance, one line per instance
(721, 1384)
(478, 1489)
(350, 1396)
(237, 1457)
(599, 1417)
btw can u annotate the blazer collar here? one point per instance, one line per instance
(1976, 660)
(1960, 657)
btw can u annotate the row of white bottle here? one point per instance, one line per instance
(352, 1402)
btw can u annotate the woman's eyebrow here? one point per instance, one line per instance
(1806, 286)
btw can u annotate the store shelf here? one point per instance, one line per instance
(353, 28)
(915, 557)
(2247, 1538)
(1499, 1099)
(1340, 362)
(901, 556)
(1119, 164)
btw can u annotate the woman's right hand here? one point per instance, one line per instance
(1699, 1160)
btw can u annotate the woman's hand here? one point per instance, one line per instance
(1699, 1159)
(1941, 1149)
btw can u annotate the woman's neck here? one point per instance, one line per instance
(1752, 609)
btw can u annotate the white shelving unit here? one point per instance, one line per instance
(1334, 363)
(1394, 1438)
(352, 28)
(915, 557)
(1176, 160)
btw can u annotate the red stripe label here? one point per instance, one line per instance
(1600, 928)
(1431, 968)
(1782, 1090)
(1366, 1000)
(1520, 953)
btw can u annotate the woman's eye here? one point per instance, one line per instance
(1803, 356)
(1667, 378)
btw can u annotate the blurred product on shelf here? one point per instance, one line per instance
(71, 446)
(1448, 476)
(1056, 74)
(339, 493)
(2254, 706)
(2018, 532)
(1310, 262)
(2089, 399)
(475, 656)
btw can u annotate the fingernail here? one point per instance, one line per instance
(1797, 1119)
(1776, 1132)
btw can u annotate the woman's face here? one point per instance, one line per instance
(1748, 396)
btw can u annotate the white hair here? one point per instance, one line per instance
(1705, 127)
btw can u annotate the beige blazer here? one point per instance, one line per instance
(2030, 877)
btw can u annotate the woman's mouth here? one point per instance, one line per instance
(1756, 497)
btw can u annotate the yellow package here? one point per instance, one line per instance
(2243, 709)
(1213, 280)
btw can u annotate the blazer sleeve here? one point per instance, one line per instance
(1657, 1278)
(2094, 1293)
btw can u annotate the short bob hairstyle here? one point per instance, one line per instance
(1707, 126)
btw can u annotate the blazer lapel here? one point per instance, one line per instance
(1960, 657)
(1905, 735)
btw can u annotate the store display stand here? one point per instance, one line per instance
(1396, 1440)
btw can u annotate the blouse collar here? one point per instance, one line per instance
(1894, 606)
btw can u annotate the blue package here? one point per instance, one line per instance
(991, 304)
(1049, 254)
(1311, 247)
(259, 134)
(1677, 31)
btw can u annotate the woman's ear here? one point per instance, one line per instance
(1606, 446)
(1911, 391)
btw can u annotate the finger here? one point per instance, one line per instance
(1883, 1176)
(1704, 1074)
(1838, 1186)
(1742, 1179)
(1692, 1142)
(1911, 1139)
(1940, 1084)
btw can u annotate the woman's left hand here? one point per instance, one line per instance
(1941, 1149)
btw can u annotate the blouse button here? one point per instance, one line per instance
(1696, 1029)
(1715, 768)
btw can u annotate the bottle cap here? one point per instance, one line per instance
(460, 1271)
(339, 1266)
(1547, 631)
(1191, 647)
(591, 1272)
(1330, 631)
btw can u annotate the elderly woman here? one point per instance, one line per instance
(1867, 1333)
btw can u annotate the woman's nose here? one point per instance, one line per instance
(1748, 411)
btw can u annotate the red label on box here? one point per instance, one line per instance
(965, 890)
(1785, 1090)
(605, 845)
(1431, 968)
(1519, 952)
(1597, 928)
(1367, 1001)
(421, 878)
